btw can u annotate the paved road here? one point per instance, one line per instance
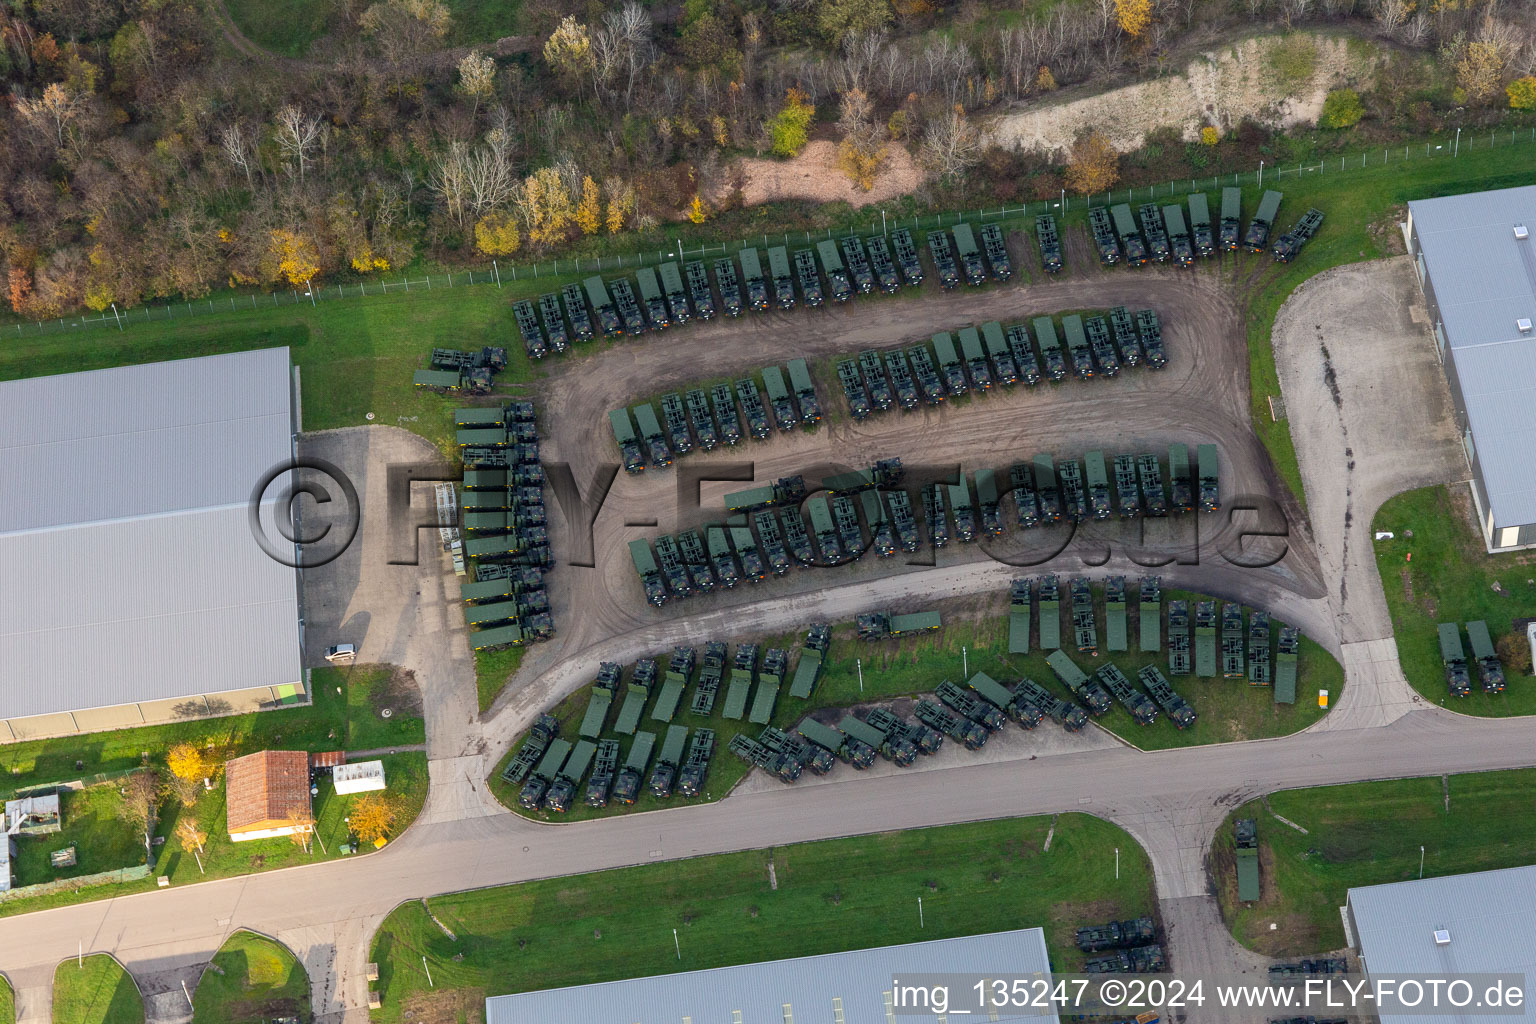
(1171, 801)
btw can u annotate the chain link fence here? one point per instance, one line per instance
(495, 275)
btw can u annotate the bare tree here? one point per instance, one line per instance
(631, 27)
(239, 148)
(296, 134)
(950, 144)
(52, 112)
(449, 179)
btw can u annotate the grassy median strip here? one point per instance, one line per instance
(7, 1002)
(251, 980)
(1367, 833)
(729, 909)
(1450, 577)
(95, 991)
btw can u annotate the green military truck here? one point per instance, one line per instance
(1050, 347)
(812, 658)
(1019, 602)
(1287, 651)
(629, 445)
(1258, 649)
(740, 686)
(1130, 235)
(1263, 221)
(752, 277)
(1114, 615)
(1209, 469)
(783, 281)
(604, 688)
(1489, 671)
(1050, 613)
(1150, 613)
(1205, 639)
(769, 680)
(837, 276)
(679, 668)
(1200, 224)
(1454, 657)
(627, 785)
(1245, 841)
(1231, 218)
(668, 761)
(676, 295)
(636, 694)
(531, 797)
(1094, 697)
(1178, 235)
(874, 626)
(569, 777)
(1178, 638)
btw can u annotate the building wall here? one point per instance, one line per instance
(128, 716)
(262, 833)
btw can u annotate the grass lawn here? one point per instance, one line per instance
(369, 691)
(100, 992)
(1367, 833)
(103, 841)
(406, 775)
(1228, 709)
(334, 721)
(7, 1003)
(1451, 579)
(492, 671)
(836, 895)
(251, 980)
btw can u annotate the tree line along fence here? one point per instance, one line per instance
(497, 276)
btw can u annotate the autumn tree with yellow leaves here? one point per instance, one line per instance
(1133, 16)
(372, 818)
(589, 212)
(189, 766)
(1095, 165)
(291, 256)
(496, 234)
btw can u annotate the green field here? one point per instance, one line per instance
(371, 690)
(1450, 579)
(97, 992)
(492, 671)
(1367, 833)
(256, 980)
(1228, 709)
(7, 1002)
(836, 895)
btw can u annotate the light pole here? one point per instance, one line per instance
(1421, 863)
(1457, 148)
(677, 945)
(1261, 173)
(117, 318)
(965, 664)
(859, 663)
(1117, 863)
(920, 912)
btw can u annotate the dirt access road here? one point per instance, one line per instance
(1202, 396)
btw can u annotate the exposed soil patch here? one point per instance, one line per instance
(814, 175)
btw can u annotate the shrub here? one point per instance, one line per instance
(1342, 109)
(1209, 136)
(1522, 93)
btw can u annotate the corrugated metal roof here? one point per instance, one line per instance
(803, 989)
(1488, 914)
(140, 440)
(1484, 280)
(161, 592)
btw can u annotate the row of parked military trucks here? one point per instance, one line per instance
(1121, 946)
(766, 533)
(453, 370)
(702, 420)
(1161, 233)
(1489, 669)
(674, 293)
(501, 512)
(1237, 644)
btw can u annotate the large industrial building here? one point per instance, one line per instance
(133, 590)
(1476, 261)
(1477, 923)
(854, 987)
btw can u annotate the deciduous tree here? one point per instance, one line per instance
(291, 256)
(789, 127)
(950, 143)
(303, 825)
(496, 234)
(589, 212)
(1133, 16)
(1522, 93)
(189, 766)
(862, 150)
(477, 77)
(568, 50)
(297, 134)
(839, 19)
(404, 28)
(1095, 166)
(1342, 109)
(372, 818)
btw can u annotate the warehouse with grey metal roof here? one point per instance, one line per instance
(854, 987)
(134, 591)
(1475, 923)
(1476, 262)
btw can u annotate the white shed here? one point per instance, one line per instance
(358, 778)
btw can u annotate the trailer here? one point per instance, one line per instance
(1175, 707)
(1257, 235)
(1020, 599)
(1049, 241)
(628, 306)
(1055, 361)
(710, 673)
(1205, 639)
(1074, 500)
(1286, 653)
(759, 288)
(1207, 463)
(668, 761)
(1025, 363)
(752, 405)
(1153, 231)
(676, 295)
(602, 305)
(626, 785)
(838, 282)
(1085, 631)
(528, 326)
(996, 248)
(906, 258)
(1130, 237)
(1077, 346)
(812, 659)
(1258, 649)
(1200, 224)
(858, 264)
(810, 280)
(604, 688)
(1114, 615)
(1142, 710)
(1182, 249)
(1289, 244)
(1231, 218)
(975, 358)
(501, 636)
(1093, 695)
(883, 265)
(650, 576)
(934, 716)
(1004, 370)
(902, 384)
(805, 391)
(928, 380)
(1050, 613)
(698, 290)
(1178, 638)
(677, 423)
(438, 380)
(943, 256)
(554, 322)
(576, 311)
(1100, 224)
(729, 283)
(778, 271)
(740, 686)
(949, 363)
(1102, 345)
(970, 257)
(1150, 613)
